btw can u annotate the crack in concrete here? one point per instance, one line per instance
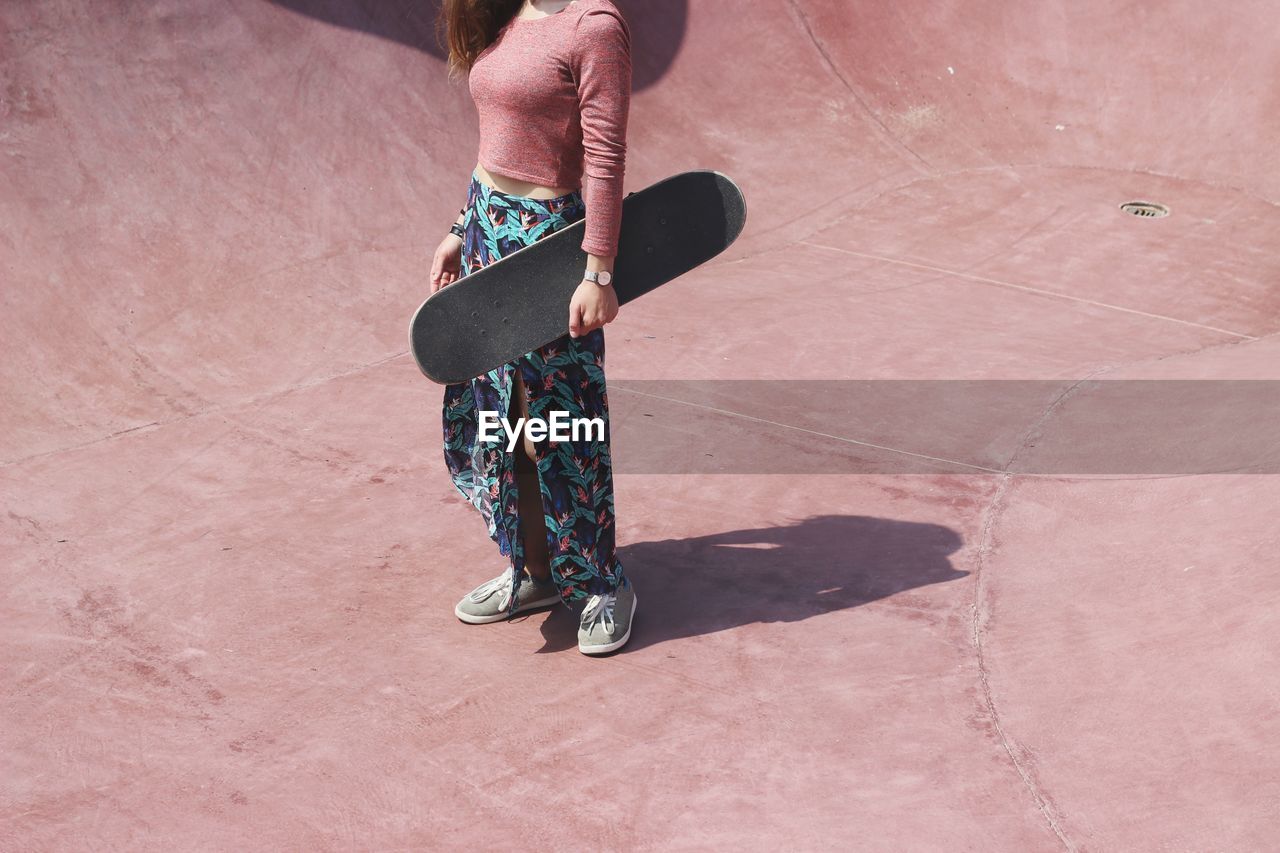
(251, 402)
(982, 613)
(981, 279)
(853, 93)
(982, 606)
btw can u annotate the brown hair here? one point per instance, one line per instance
(469, 26)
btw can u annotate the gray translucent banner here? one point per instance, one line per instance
(1095, 427)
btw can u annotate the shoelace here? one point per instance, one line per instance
(599, 609)
(501, 583)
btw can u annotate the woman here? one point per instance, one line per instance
(551, 80)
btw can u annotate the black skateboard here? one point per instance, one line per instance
(520, 302)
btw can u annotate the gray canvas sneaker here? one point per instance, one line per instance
(488, 602)
(606, 621)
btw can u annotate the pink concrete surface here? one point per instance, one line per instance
(231, 551)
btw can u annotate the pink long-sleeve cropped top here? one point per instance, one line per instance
(553, 95)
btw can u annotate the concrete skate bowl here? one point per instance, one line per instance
(228, 535)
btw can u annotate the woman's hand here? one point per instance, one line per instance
(591, 307)
(446, 266)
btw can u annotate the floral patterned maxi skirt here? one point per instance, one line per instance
(566, 375)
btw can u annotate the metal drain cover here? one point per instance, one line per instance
(1148, 209)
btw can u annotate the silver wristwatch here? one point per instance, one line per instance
(604, 278)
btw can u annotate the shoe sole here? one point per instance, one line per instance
(472, 619)
(616, 644)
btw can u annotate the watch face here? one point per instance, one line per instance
(606, 278)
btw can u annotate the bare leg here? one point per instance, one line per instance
(537, 562)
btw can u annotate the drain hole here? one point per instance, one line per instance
(1148, 209)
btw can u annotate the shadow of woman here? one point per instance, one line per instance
(657, 27)
(703, 584)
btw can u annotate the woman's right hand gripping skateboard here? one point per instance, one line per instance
(446, 266)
